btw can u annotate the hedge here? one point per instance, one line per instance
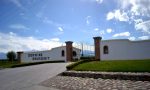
(70, 66)
(87, 57)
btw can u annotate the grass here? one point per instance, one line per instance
(7, 64)
(70, 66)
(115, 66)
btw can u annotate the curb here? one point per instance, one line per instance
(109, 75)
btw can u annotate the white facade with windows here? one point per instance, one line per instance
(121, 49)
(55, 54)
(124, 49)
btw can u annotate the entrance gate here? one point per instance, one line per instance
(87, 50)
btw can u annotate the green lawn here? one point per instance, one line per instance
(9, 64)
(6, 64)
(115, 66)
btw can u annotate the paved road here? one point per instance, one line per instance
(28, 78)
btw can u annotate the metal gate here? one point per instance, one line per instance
(87, 50)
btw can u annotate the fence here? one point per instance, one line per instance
(87, 50)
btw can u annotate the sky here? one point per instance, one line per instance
(43, 24)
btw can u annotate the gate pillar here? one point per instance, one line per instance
(97, 47)
(19, 56)
(69, 51)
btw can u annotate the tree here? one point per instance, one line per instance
(11, 55)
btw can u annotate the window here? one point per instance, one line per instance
(40, 54)
(62, 53)
(74, 53)
(105, 49)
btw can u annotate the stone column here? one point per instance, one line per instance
(19, 56)
(69, 51)
(97, 47)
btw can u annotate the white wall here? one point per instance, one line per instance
(53, 54)
(125, 49)
(78, 51)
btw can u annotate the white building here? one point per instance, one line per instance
(122, 49)
(55, 54)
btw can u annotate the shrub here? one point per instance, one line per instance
(70, 66)
(87, 57)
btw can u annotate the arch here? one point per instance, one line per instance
(62, 53)
(105, 49)
(74, 53)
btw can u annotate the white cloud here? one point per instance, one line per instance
(140, 7)
(17, 3)
(118, 15)
(109, 30)
(88, 20)
(110, 16)
(97, 32)
(102, 32)
(46, 20)
(59, 26)
(55, 39)
(18, 26)
(126, 34)
(19, 43)
(144, 37)
(137, 21)
(132, 38)
(11, 33)
(99, 1)
(123, 17)
(143, 26)
(136, 7)
(93, 1)
(96, 29)
(60, 29)
(124, 3)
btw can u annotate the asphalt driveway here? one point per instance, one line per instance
(28, 78)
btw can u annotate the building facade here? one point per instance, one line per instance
(122, 49)
(55, 54)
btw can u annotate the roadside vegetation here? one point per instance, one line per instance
(10, 64)
(11, 56)
(7, 64)
(114, 66)
(11, 60)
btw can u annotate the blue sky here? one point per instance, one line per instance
(43, 24)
